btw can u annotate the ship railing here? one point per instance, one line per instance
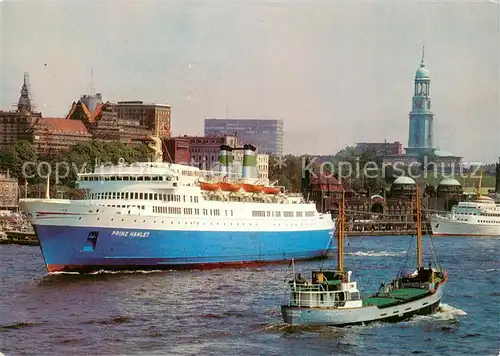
(318, 299)
(307, 287)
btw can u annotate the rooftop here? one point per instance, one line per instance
(404, 180)
(62, 125)
(133, 103)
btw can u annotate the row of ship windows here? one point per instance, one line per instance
(277, 214)
(482, 214)
(143, 196)
(127, 178)
(189, 211)
(482, 221)
(211, 223)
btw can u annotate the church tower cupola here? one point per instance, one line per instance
(24, 103)
(420, 141)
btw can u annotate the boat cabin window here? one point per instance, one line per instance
(140, 178)
(354, 295)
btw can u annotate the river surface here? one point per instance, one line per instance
(236, 311)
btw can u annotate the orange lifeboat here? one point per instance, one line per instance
(252, 188)
(229, 187)
(209, 186)
(271, 190)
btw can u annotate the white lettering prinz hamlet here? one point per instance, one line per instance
(130, 233)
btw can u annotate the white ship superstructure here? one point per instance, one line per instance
(480, 217)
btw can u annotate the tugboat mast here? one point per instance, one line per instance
(419, 228)
(340, 234)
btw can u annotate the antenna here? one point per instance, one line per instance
(91, 81)
(423, 54)
(225, 128)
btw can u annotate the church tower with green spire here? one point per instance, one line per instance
(420, 141)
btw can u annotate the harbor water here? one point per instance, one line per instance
(236, 311)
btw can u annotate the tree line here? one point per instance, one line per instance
(23, 162)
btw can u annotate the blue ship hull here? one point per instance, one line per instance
(86, 249)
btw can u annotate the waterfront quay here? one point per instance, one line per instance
(384, 224)
(16, 229)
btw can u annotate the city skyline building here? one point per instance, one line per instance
(421, 125)
(265, 134)
(421, 149)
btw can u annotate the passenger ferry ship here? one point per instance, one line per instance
(156, 215)
(480, 217)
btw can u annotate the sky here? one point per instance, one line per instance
(336, 72)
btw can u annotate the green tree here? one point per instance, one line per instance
(19, 159)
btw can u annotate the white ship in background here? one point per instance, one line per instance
(479, 217)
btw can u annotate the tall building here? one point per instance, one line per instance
(16, 125)
(265, 134)
(9, 192)
(420, 140)
(421, 151)
(125, 121)
(156, 117)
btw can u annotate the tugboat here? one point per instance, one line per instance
(331, 297)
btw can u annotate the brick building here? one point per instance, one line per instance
(205, 150)
(126, 121)
(380, 148)
(177, 150)
(17, 125)
(9, 192)
(56, 134)
(155, 117)
(108, 125)
(47, 134)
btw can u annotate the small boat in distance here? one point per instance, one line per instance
(331, 297)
